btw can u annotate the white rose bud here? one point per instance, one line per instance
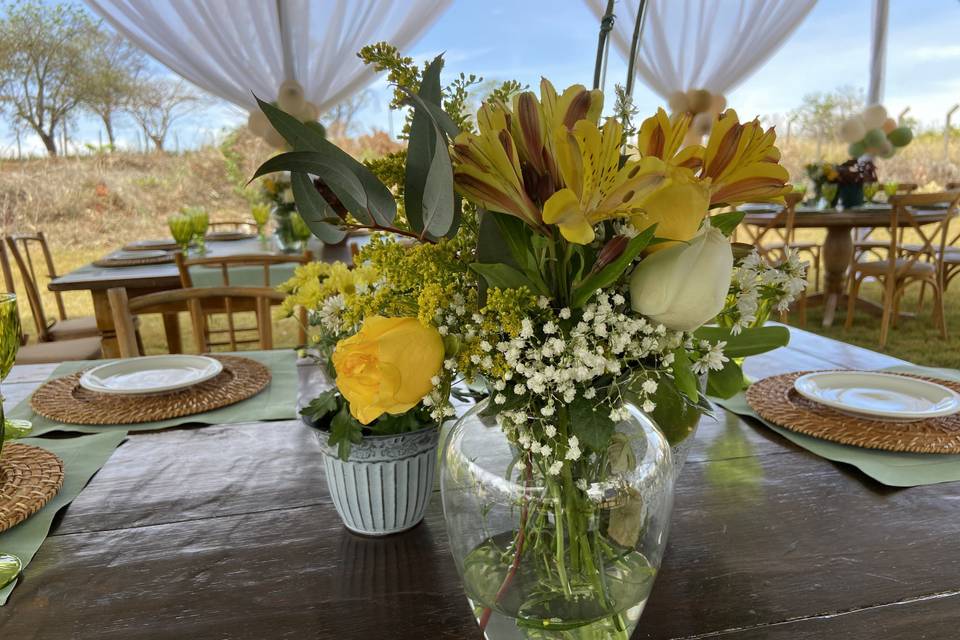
(684, 286)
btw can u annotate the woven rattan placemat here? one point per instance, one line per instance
(775, 400)
(64, 400)
(29, 478)
(133, 262)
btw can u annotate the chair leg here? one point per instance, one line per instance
(852, 294)
(938, 310)
(923, 290)
(891, 290)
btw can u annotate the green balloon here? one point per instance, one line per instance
(900, 137)
(857, 149)
(874, 138)
(886, 155)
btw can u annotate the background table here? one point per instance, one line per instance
(838, 247)
(228, 532)
(163, 277)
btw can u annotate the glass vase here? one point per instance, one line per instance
(572, 555)
(284, 233)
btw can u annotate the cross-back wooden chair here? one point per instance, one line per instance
(124, 309)
(240, 226)
(905, 265)
(30, 253)
(951, 254)
(877, 247)
(778, 236)
(255, 270)
(44, 352)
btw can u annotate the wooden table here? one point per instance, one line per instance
(163, 277)
(838, 247)
(229, 532)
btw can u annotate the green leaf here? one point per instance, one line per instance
(727, 222)
(749, 342)
(610, 273)
(513, 233)
(314, 209)
(377, 201)
(421, 145)
(438, 201)
(727, 382)
(683, 375)
(345, 431)
(502, 276)
(324, 404)
(593, 427)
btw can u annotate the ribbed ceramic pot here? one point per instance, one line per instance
(385, 485)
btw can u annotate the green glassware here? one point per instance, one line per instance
(200, 221)
(299, 227)
(10, 565)
(890, 188)
(829, 193)
(181, 228)
(870, 190)
(261, 215)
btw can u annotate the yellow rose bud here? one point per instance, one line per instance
(387, 366)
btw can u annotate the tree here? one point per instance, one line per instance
(340, 118)
(157, 103)
(42, 49)
(110, 78)
(820, 114)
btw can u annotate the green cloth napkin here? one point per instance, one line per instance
(82, 457)
(277, 402)
(241, 275)
(888, 467)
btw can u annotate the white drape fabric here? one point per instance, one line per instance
(703, 44)
(235, 48)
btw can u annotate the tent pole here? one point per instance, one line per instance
(285, 43)
(878, 50)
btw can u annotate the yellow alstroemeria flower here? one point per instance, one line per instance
(510, 166)
(661, 137)
(677, 209)
(743, 163)
(597, 187)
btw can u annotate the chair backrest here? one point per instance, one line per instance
(932, 235)
(23, 247)
(123, 309)
(242, 226)
(8, 278)
(225, 263)
(906, 188)
(780, 226)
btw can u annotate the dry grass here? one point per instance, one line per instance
(91, 205)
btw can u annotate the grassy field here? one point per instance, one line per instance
(89, 206)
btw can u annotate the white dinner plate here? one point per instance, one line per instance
(136, 255)
(887, 396)
(150, 374)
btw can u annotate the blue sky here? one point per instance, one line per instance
(526, 39)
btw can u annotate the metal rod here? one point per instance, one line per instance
(606, 25)
(635, 44)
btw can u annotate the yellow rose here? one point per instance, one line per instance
(387, 366)
(677, 209)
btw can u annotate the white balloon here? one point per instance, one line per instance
(290, 97)
(852, 129)
(308, 113)
(702, 123)
(258, 123)
(274, 139)
(874, 116)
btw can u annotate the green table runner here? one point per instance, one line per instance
(277, 402)
(82, 457)
(241, 275)
(888, 467)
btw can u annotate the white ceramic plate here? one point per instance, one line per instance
(136, 255)
(879, 395)
(150, 374)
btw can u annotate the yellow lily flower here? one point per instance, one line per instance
(597, 187)
(510, 165)
(661, 137)
(677, 209)
(743, 163)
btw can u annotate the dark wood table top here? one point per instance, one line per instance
(870, 216)
(166, 276)
(228, 532)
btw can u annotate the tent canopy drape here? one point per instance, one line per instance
(703, 44)
(236, 48)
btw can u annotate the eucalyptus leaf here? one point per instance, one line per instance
(438, 201)
(727, 382)
(421, 145)
(314, 210)
(749, 342)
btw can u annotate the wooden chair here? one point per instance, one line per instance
(224, 264)
(45, 352)
(124, 310)
(951, 254)
(875, 246)
(781, 229)
(22, 247)
(904, 265)
(240, 226)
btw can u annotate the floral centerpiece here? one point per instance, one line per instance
(573, 281)
(277, 191)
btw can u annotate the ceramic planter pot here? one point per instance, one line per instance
(385, 485)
